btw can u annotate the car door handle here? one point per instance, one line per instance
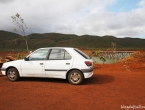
(67, 63)
(41, 63)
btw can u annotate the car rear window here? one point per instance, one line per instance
(82, 53)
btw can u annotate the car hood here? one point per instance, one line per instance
(12, 63)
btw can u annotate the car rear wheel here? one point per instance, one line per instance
(13, 74)
(75, 77)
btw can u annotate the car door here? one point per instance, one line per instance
(33, 65)
(58, 63)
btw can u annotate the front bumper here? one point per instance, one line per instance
(3, 70)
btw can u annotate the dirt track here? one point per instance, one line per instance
(111, 87)
(106, 90)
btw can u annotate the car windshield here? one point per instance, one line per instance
(82, 53)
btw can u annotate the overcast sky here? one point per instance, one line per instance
(120, 18)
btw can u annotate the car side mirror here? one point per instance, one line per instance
(26, 58)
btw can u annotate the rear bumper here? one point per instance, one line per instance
(88, 72)
(88, 75)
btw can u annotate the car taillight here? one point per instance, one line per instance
(88, 63)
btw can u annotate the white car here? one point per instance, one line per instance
(53, 62)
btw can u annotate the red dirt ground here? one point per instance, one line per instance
(111, 87)
(3, 54)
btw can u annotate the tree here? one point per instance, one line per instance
(113, 46)
(19, 22)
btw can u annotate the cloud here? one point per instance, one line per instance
(74, 17)
(6, 1)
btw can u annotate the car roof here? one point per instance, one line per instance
(57, 48)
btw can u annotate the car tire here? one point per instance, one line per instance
(13, 74)
(75, 77)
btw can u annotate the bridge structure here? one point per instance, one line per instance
(115, 54)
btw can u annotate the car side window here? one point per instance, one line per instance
(59, 54)
(67, 56)
(39, 55)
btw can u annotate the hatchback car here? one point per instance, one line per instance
(51, 62)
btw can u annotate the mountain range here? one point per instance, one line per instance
(12, 41)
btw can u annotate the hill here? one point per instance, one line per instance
(12, 41)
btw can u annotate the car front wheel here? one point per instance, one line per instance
(13, 74)
(75, 77)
